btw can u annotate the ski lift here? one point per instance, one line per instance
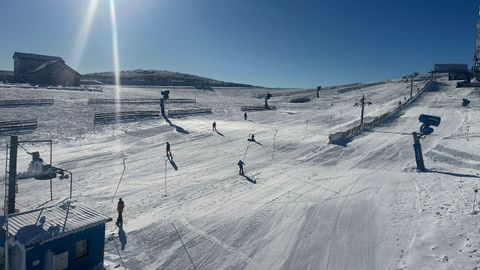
(267, 97)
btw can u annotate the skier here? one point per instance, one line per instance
(240, 167)
(120, 206)
(214, 126)
(169, 154)
(252, 138)
(36, 165)
(245, 116)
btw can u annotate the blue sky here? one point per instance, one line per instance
(277, 43)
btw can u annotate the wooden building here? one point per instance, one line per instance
(44, 70)
(6, 76)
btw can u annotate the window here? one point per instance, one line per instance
(81, 249)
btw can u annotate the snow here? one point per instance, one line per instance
(308, 204)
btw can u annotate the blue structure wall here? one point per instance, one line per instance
(95, 237)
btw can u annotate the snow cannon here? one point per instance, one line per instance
(428, 120)
(165, 94)
(465, 102)
(267, 97)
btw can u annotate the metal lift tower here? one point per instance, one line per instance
(476, 57)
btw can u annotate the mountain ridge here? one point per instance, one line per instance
(159, 78)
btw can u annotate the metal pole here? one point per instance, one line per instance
(12, 174)
(363, 109)
(71, 183)
(411, 88)
(51, 187)
(165, 178)
(474, 200)
(418, 152)
(274, 137)
(6, 212)
(162, 107)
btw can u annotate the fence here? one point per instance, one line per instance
(186, 112)
(139, 101)
(26, 102)
(256, 108)
(17, 127)
(125, 116)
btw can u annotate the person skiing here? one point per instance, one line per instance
(214, 126)
(120, 206)
(245, 116)
(240, 167)
(169, 153)
(252, 138)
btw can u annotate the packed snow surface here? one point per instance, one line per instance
(303, 204)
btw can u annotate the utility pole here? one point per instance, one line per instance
(363, 102)
(12, 174)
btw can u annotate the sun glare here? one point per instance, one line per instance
(116, 59)
(82, 38)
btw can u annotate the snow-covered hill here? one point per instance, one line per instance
(305, 204)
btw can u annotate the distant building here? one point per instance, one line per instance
(455, 71)
(43, 69)
(6, 76)
(65, 236)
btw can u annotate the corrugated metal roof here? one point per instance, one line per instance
(49, 223)
(37, 56)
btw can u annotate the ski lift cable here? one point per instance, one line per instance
(24, 149)
(121, 177)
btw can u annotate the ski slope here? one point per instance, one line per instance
(305, 204)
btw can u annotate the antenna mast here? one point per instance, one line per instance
(476, 57)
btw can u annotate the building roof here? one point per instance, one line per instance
(48, 64)
(42, 66)
(49, 223)
(37, 56)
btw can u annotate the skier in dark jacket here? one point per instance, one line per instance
(169, 154)
(245, 116)
(214, 126)
(240, 167)
(120, 206)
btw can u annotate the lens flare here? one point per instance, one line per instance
(116, 58)
(82, 38)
